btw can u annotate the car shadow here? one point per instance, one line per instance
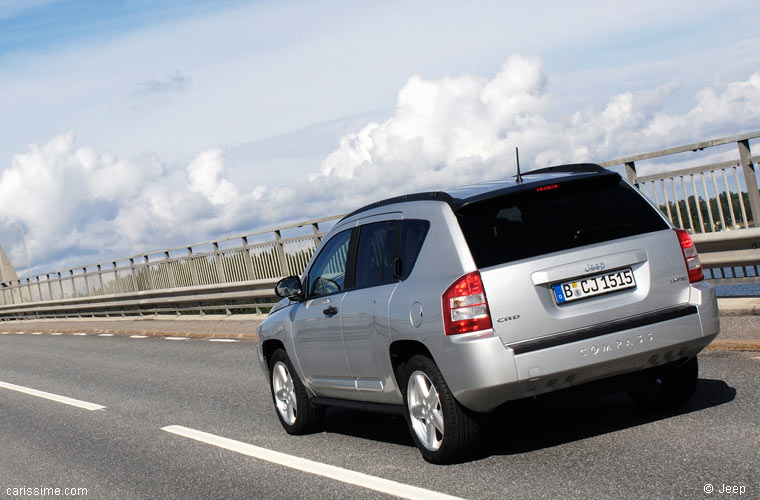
(542, 422)
(563, 417)
(372, 426)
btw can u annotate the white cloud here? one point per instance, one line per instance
(464, 129)
(174, 82)
(204, 174)
(78, 205)
(56, 189)
(443, 122)
(265, 68)
(739, 103)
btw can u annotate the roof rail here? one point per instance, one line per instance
(571, 168)
(428, 195)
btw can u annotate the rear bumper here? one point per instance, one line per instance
(483, 373)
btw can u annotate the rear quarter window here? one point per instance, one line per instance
(568, 215)
(374, 255)
(387, 251)
(412, 237)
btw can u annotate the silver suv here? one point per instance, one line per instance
(444, 305)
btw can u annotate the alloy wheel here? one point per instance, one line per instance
(284, 393)
(426, 415)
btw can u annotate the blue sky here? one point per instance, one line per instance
(44, 25)
(132, 126)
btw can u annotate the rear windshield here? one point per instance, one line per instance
(557, 217)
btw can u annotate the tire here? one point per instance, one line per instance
(291, 401)
(668, 390)
(443, 430)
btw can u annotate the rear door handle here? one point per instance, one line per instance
(330, 311)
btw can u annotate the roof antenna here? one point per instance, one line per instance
(517, 156)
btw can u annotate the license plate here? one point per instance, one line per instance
(612, 281)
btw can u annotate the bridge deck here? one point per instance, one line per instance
(208, 327)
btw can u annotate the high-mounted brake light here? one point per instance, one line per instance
(465, 308)
(547, 188)
(690, 256)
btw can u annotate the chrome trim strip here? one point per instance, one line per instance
(369, 384)
(333, 383)
(589, 332)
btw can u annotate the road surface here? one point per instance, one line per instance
(192, 418)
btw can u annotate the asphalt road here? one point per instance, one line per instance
(560, 447)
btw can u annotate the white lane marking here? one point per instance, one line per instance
(329, 471)
(80, 333)
(105, 335)
(175, 338)
(57, 333)
(52, 397)
(4, 333)
(36, 333)
(756, 357)
(223, 340)
(138, 336)
(20, 333)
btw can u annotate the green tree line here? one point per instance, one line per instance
(693, 223)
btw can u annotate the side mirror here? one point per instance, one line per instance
(289, 287)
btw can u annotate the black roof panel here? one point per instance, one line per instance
(459, 197)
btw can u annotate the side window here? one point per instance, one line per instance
(328, 274)
(413, 234)
(385, 252)
(374, 255)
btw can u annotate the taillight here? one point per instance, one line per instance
(465, 308)
(690, 256)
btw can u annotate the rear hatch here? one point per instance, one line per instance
(569, 252)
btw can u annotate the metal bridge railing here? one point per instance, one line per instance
(208, 266)
(706, 198)
(720, 199)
